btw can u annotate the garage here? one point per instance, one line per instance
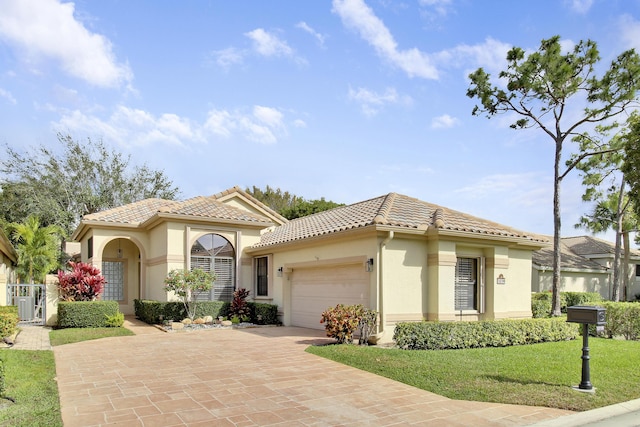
(313, 290)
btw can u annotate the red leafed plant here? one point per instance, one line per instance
(239, 307)
(83, 283)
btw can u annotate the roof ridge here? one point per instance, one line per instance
(385, 208)
(438, 218)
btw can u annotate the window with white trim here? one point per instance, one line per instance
(215, 254)
(466, 284)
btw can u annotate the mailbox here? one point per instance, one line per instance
(588, 315)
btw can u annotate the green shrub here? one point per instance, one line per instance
(342, 321)
(263, 314)
(9, 309)
(623, 319)
(541, 301)
(116, 320)
(85, 314)
(495, 333)
(579, 298)
(8, 323)
(150, 311)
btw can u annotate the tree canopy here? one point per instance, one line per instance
(558, 93)
(37, 249)
(289, 205)
(63, 183)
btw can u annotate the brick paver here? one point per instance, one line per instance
(251, 377)
(32, 338)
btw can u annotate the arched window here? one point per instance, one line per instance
(215, 254)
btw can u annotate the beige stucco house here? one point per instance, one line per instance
(586, 266)
(407, 259)
(8, 261)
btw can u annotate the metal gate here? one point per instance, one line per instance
(31, 301)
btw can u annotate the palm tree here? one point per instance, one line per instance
(37, 248)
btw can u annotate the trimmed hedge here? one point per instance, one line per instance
(86, 314)
(150, 311)
(8, 322)
(9, 309)
(494, 333)
(541, 301)
(623, 319)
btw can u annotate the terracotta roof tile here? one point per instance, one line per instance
(132, 213)
(391, 210)
(204, 207)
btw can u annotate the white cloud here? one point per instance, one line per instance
(491, 55)
(527, 188)
(372, 102)
(228, 57)
(580, 6)
(47, 29)
(444, 122)
(129, 126)
(357, 15)
(630, 29)
(319, 37)
(8, 96)
(268, 44)
(440, 7)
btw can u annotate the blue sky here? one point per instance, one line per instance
(343, 99)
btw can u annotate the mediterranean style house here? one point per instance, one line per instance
(407, 259)
(586, 266)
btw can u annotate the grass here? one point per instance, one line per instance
(537, 375)
(71, 335)
(30, 380)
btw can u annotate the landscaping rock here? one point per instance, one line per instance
(177, 325)
(226, 323)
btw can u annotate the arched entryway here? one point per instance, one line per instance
(215, 254)
(121, 268)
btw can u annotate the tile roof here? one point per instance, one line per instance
(203, 207)
(394, 210)
(576, 251)
(568, 259)
(589, 245)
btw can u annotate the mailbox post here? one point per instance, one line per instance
(587, 315)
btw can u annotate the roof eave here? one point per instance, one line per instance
(162, 216)
(512, 240)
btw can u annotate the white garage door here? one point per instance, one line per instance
(313, 290)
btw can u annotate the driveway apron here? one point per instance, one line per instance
(247, 377)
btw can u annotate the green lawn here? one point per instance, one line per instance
(538, 375)
(30, 380)
(71, 335)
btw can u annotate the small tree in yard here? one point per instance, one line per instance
(239, 307)
(84, 282)
(186, 284)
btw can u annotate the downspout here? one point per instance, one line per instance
(380, 288)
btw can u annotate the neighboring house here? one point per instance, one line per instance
(586, 266)
(407, 259)
(8, 261)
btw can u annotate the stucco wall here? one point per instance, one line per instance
(573, 281)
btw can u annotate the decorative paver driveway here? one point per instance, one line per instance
(250, 377)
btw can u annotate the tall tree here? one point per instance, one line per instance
(62, 184)
(289, 205)
(546, 89)
(275, 198)
(37, 248)
(606, 187)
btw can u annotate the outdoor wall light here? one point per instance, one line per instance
(280, 272)
(369, 265)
